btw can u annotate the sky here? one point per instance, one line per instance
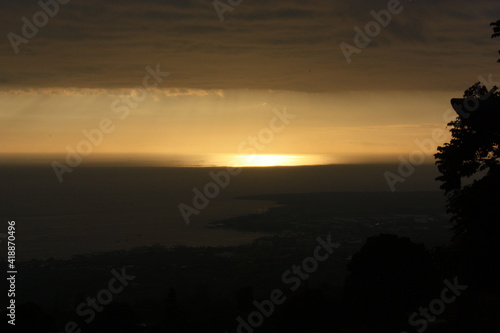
(220, 83)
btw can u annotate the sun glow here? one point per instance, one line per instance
(273, 160)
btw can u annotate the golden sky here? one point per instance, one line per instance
(226, 77)
(201, 122)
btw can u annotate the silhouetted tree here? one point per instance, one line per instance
(496, 31)
(389, 277)
(470, 174)
(469, 163)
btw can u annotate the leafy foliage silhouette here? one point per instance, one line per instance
(496, 31)
(473, 152)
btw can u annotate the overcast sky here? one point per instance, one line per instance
(429, 52)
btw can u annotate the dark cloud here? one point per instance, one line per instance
(260, 45)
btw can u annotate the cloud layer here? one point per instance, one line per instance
(283, 45)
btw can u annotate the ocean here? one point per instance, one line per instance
(107, 208)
